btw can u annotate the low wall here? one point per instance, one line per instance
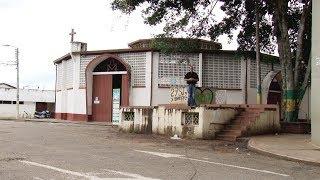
(26, 110)
(170, 121)
(202, 122)
(136, 119)
(268, 122)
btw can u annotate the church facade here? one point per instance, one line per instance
(92, 85)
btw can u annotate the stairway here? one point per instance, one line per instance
(239, 124)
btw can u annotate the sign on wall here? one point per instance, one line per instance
(115, 106)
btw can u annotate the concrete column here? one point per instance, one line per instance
(200, 70)
(149, 77)
(315, 75)
(243, 79)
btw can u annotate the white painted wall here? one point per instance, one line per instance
(29, 98)
(140, 96)
(71, 99)
(59, 103)
(315, 76)
(159, 95)
(305, 108)
(235, 97)
(26, 110)
(252, 95)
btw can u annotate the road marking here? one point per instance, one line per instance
(37, 178)
(167, 155)
(74, 173)
(60, 170)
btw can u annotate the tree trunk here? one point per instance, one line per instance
(259, 96)
(300, 87)
(285, 55)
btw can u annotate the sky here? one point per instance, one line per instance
(40, 29)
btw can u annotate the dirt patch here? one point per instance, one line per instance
(165, 141)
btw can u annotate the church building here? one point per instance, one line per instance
(92, 85)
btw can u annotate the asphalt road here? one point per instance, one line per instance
(37, 150)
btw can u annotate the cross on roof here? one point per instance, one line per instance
(72, 34)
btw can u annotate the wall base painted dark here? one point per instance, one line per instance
(296, 128)
(72, 117)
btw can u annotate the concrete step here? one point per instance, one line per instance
(233, 126)
(241, 122)
(238, 125)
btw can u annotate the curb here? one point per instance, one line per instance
(251, 146)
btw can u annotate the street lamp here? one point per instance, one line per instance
(17, 66)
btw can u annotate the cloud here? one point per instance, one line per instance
(40, 29)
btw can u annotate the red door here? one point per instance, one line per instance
(125, 90)
(102, 98)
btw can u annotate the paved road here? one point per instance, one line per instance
(34, 150)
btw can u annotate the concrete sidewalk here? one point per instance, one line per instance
(63, 121)
(296, 147)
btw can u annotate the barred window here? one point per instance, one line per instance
(190, 118)
(59, 76)
(173, 67)
(84, 61)
(265, 69)
(221, 71)
(69, 73)
(137, 62)
(128, 116)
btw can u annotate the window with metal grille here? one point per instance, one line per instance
(137, 62)
(174, 66)
(84, 61)
(128, 116)
(59, 76)
(221, 71)
(69, 73)
(190, 118)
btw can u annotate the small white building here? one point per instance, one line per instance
(31, 100)
(91, 85)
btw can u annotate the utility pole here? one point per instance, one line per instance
(259, 100)
(17, 63)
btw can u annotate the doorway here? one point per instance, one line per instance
(275, 93)
(110, 90)
(116, 97)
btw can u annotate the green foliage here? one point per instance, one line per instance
(196, 18)
(280, 24)
(171, 45)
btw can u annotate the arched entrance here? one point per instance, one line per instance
(107, 78)
(271, 88)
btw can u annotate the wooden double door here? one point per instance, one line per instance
(102, 99)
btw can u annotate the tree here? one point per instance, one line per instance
(284, 25)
